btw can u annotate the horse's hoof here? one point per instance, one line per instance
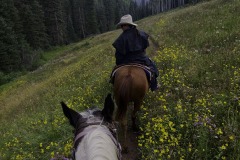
(125, 150)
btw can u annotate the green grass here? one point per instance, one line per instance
(195, 115)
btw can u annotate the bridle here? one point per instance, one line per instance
(84, 128)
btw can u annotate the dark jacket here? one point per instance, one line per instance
(130, 47)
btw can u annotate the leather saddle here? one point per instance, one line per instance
(147, 70)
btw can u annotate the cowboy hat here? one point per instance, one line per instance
(126, 19)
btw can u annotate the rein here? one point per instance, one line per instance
(85, 128)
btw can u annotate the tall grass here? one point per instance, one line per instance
(197, 111)
(195, 115)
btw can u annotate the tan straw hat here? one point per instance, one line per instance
(126, 19)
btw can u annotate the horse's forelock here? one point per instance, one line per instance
(92, 115)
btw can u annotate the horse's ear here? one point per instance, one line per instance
(72, 115)
(108, 109)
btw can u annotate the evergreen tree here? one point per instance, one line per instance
(133, 10)
(122, 8)
(13, 47)
(101, 16)
(54, 21)
(9, 56)
(32, 20)
(90, 17)
(109, 10)
(78, 18)
(71, 34)
(142, 11)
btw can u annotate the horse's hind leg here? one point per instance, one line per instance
(124, 135)
(134, 115)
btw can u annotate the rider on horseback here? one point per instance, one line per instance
(131, 48)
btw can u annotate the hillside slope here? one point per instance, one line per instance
(195, 115)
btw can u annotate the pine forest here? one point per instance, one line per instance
(28, 27)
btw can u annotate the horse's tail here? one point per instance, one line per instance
(124, 97)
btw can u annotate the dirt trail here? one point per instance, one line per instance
(133, 153)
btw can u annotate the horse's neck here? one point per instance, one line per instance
(97, 145)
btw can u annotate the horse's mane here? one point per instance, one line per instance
(97, 145)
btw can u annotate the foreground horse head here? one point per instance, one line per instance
(95, 134)
(130, 85)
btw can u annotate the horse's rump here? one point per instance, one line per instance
(148, 71)
(130, 85)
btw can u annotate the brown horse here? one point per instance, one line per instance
(130, 85)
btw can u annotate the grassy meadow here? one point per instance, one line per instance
(194, 115)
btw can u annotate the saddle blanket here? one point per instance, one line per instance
(145, 68)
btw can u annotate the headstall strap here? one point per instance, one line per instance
(79, 134)
(114, 136)
(73, 154)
